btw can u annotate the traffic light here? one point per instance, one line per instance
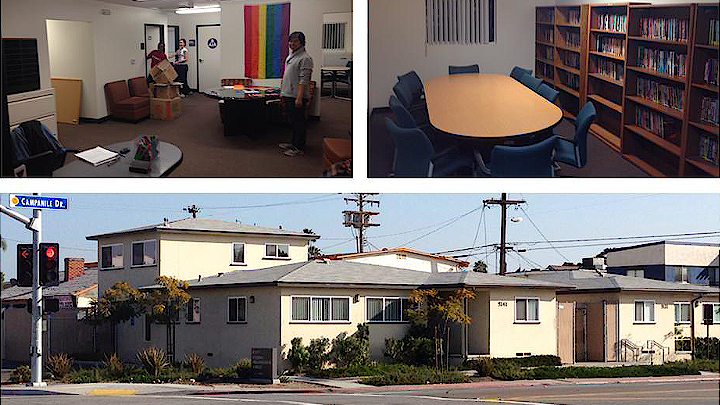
(49, 264)
(25, 265)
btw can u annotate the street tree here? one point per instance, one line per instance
(437, 311)
(480, 267)
(164, 303)
(119, 303)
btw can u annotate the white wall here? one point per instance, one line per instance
(396, 44)
(116, 37)
(574, 2)
(305, 16)
(339, 57)
(71, 54)
(188, 24)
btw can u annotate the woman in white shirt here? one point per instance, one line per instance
(181, 67)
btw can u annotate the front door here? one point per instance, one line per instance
(581, 353)
(154, 34)
(208, 59)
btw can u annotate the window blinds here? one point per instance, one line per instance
(460, 21)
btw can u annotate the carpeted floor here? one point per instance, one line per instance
(198, 132)
(602, 161)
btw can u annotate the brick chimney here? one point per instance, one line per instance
(74, 267)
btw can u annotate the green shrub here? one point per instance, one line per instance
(355, 370)
(668, 369)
(405, 375)
(533, 361)
(85, 376)
(353, 349)
(318, 353)
(706, 365)
(153, 360)
(113, 365)
(194, 362)
(217, 373)
(21, 374)
(59, 365)
(298, 355)
(701, 348)
(506, 370)
(484, 366)
(243, 368)
(411, 350)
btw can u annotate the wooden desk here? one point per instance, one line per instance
(169, 157)
(487, 106)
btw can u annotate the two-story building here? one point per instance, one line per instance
(684, 262)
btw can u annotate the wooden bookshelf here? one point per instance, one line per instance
(571, 30)
(545, 49)
(695, 129)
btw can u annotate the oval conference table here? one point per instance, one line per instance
(491, 107)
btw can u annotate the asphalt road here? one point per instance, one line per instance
(685, 393)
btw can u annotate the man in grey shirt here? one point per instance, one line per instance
(295, 91)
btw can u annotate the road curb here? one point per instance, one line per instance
(268, 391)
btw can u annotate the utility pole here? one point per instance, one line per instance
(503, 202)
(360, 219)
(192, 210)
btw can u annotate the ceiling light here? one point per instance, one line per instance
(198, 9)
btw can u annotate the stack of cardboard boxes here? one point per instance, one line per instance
(165, 101)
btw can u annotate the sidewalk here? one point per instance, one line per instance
(331, 385)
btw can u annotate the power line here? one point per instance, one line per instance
(612, 243)
(441, 227)
(542, 234)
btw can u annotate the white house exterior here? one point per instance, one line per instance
(404, 258)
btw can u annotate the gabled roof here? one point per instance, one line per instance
(75, 286)
(341, 273)
(339, 256)
(208, 226)
(591, 280)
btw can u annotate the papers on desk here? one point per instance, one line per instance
(98, 156)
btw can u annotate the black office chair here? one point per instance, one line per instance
(346, 77)
(453, 70)
(37, 148)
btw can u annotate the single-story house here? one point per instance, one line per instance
(405, 258)
(610, 317)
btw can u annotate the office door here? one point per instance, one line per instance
(154, 34)
(208, 56)
(171, 44)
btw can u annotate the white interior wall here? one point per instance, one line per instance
(335, 57)
(305, 16)
(188, 24)
(574, 2)
(71, 54)
(116, 37)
(396, 44)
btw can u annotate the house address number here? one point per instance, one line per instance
(502, 303)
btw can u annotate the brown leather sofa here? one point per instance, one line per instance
(122, 106)
(138, 87)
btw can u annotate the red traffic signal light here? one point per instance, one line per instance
(49, 264)
(50, 252)
(25, 265)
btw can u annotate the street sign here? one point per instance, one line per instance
(34, 201)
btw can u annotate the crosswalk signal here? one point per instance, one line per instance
(25, 265)
(49, 264)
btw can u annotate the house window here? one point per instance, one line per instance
(680, 275)
(682, 312)
(334, 35)
(527, 310)
(460, 21)
(682, 344)
(645, 311)
(401, 256)
(636, 273)
(713, 276)
(237, 308)
(193, 311)
(320, 309)
(144, 253)
(277, 251)
(238, 253)
(112, 256)
(711, 311)
(386, 309)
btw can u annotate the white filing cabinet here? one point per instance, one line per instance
(33, 105)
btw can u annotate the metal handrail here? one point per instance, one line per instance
(625, 343)
(652, 343)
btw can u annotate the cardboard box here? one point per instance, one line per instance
(163, 72)
(165, 109)
(164, 90)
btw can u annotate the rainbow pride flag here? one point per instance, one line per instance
(267, 27)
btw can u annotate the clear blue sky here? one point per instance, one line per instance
(429, 222)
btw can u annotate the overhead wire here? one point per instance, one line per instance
(441, 227)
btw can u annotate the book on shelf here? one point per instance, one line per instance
(713, 34)
(709, 110)
(613, 70)
(711, 72)
(670, 29)
(546, 16)
(573, 16)
(571, 80)
(546, 36)
(663, 61)
(656, 123)
(549, 53)
(708, 148)
(612, 22)
(668, 96)
(612, 45)
(572, 59)
(547, 70)
(572, 39)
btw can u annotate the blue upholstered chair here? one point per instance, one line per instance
(518, 72)
(574, 152)
(548, 92)
(463, 69)
(414, 84)
(415, 155)
(417, 109)
(534, 160)
(531, 82)
(403, 118)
